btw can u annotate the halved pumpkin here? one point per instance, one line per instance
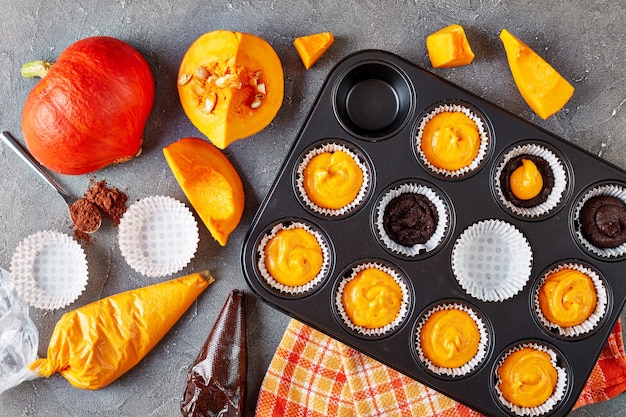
(230, 85)
(210, 182)
(541, 86)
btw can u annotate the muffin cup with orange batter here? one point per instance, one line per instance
(529, 379)
(372, 299)
(332, 179)
(293, 258)
(452, 140)
(570, 299)
(451, 339)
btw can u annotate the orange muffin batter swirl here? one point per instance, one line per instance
(527, 377)
(567, 297)
(450, 338)
(293, 257)
(372, 299)
(450, 140)
(332, 180)
(526, 181)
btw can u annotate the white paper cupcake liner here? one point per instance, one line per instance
(404, 306)
(440, 230)
(492, 260)
(49, 270)
(595, 317)
(482, 131)
(158, 236)
(612, 190)
(560, 180)
(550, 403)
(331, 147)
(300, 289)
(470, 366)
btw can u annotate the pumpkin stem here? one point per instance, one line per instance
(34, 69)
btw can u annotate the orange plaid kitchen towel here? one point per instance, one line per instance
(313, 375)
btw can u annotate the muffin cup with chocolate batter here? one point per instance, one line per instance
(483, 345)
(484, 133)
(554, 173)
(599, 220)
(412, 218)
(592, 322)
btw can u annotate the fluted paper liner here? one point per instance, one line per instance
(612, 190)
(482, 131)
(440, 230)
(492, 260)
(331, 147)
(158, 236)
(404, 306)
(550, 403)
(49, 270)
(470, 366)
(595, 317)
(300, 289)
(560, 180)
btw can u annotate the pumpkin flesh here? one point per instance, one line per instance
(210, 182)
(230, 85)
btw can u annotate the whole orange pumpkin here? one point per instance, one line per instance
(90, 108)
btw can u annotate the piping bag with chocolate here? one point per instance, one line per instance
(216, 384)
(94, 345)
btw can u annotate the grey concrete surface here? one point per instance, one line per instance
(583, 39)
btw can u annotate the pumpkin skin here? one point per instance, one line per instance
(90, 109)
(219, 83)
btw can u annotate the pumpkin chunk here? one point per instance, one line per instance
(541, 86)
(449, 47)
(210, 182)
(312, 47)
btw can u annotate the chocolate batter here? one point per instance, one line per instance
(410, 219)
(546, 174)
(603, 221)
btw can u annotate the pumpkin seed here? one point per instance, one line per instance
(209, 102)
(184, 78)
(202, 73)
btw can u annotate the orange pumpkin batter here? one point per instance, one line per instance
(567, 297)
(527, 377)
(293, 257)
(526, 181)
(372, 299)
(450, 140)
(450, 338)
(332, 180)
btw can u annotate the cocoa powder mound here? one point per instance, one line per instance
(110, 200)
(85, 215)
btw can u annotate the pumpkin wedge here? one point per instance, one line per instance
(541, 86)
(210, 182)
(312, 47)
(230, 85)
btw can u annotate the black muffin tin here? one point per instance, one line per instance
(373, 101)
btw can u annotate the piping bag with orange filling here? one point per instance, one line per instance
(216, 384)
(94, 345)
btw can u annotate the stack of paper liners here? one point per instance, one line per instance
(95, 344)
